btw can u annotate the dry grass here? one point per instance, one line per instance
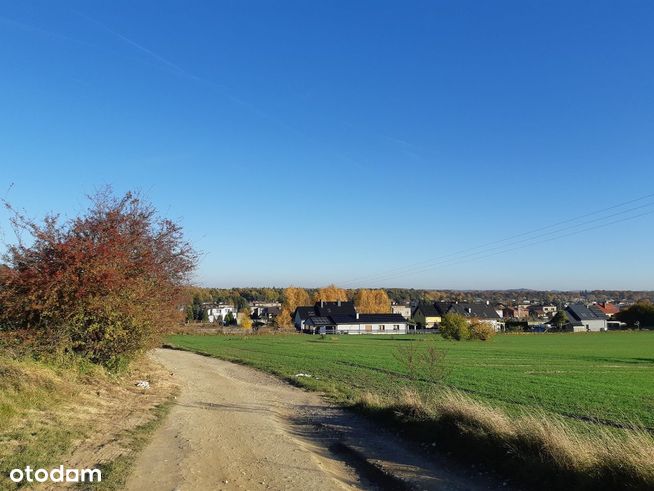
(538, 443)
(27, 385)
(72, 413)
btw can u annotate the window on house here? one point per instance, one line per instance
(382, 327)
(396, 327)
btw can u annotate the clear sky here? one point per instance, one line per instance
(355, 142)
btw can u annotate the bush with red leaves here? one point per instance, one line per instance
(104, 285)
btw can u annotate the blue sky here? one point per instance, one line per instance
(316, 142)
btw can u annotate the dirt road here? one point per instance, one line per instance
(233, 427)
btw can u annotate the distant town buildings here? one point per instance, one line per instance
(522, 314)
(430, 315)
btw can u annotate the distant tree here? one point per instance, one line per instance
(330, 293)
(205, 315)
(230, 320)
(246, 321)
(293, 298)
(434, 296)
(642, 312)
(190, 315)
(455, 326)
(559, 320)
(482, 330)
(239, 302)
(197, 310)
(372, 301)
(270, 295)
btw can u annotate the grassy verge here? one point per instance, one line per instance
(553, 411)
(32, 430)
(539, 449)
(74, 413)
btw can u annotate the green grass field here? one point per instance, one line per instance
(605, 376)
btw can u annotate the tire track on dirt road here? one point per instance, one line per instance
(233, 427)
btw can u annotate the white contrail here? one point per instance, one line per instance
(138, 46)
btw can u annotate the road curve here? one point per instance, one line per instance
(233, 427)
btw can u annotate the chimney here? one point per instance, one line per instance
(322, 303)
(339, 303)
(357, 315)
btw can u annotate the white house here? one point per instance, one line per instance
(218, 312)
(583, 319)
(356, 324)
(403, 310)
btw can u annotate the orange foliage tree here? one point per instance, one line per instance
(330, 293)
(293, 298)
(372, 302)
(103, 285)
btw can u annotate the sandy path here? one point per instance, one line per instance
(228, 430)
(233, 427)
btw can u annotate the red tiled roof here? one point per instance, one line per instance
(608, 308)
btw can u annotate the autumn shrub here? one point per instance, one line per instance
(104, 285)
(482, 331)
(455, 326)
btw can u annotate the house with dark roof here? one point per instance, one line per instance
(264, 315)
(335, 308)
(342, 318)
(301, 315)
(584, 319)
(356, 324)
(426, 316)
(321, 309)
(430, 315)
(473, 311)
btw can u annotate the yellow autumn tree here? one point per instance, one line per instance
(293, 298)
(372, 302)
(330, 293)
(434, 296)
(246, 320)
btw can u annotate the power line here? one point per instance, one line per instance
(485, 250)
(511, 239)
(504, 251)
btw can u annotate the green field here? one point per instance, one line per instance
(605, 376)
